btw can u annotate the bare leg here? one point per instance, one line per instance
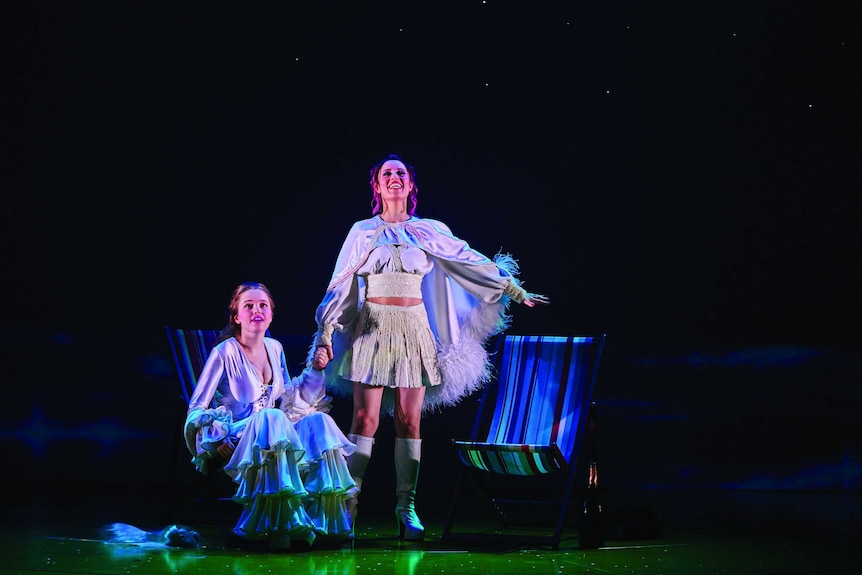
(366, 409)
(408, 411)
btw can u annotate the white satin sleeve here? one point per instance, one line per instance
(202, 398)
(473, 271)
(304, 394)
(340, 305)
(208, 382)
(485, 282)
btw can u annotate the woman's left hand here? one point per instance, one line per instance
(533, 298)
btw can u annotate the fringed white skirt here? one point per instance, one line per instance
(393, 346)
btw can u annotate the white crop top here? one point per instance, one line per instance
(396, 258)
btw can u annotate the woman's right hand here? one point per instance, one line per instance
(226, 449)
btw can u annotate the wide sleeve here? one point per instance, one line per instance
(208, 381)
(201, 405)
(466, 296)
(304, 394)
(484, 278)
(337, 311)
(340, 305)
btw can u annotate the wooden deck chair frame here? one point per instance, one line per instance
(189, 350)
(536, 413)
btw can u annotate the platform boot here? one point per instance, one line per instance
(356, 463)
(408, 452)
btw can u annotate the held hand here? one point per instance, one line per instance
(322, 355)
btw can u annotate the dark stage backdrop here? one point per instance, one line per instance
(682, 176)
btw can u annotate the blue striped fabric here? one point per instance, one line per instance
(190, 349)
(545, 384)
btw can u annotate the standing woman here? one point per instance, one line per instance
(278, 444)
(404, 324)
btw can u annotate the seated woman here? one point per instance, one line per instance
(278, 443)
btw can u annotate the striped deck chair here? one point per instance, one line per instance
(541, 400)
(189, 350)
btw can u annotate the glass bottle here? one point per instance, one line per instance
(591, 535)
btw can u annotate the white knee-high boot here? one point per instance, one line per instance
(356, 463)
(408, 453)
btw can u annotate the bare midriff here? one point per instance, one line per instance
(402, 301)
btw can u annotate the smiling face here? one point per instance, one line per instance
(254, 312)
(396, 168)
(393, 182)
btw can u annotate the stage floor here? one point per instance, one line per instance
(57, 534)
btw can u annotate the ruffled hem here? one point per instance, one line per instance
(328, 475)
(287, 487)
(329, 514)
(269, 516)
(320, 435)
(320, 506)
(267, 435)
(327, 478)
(269, 485)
